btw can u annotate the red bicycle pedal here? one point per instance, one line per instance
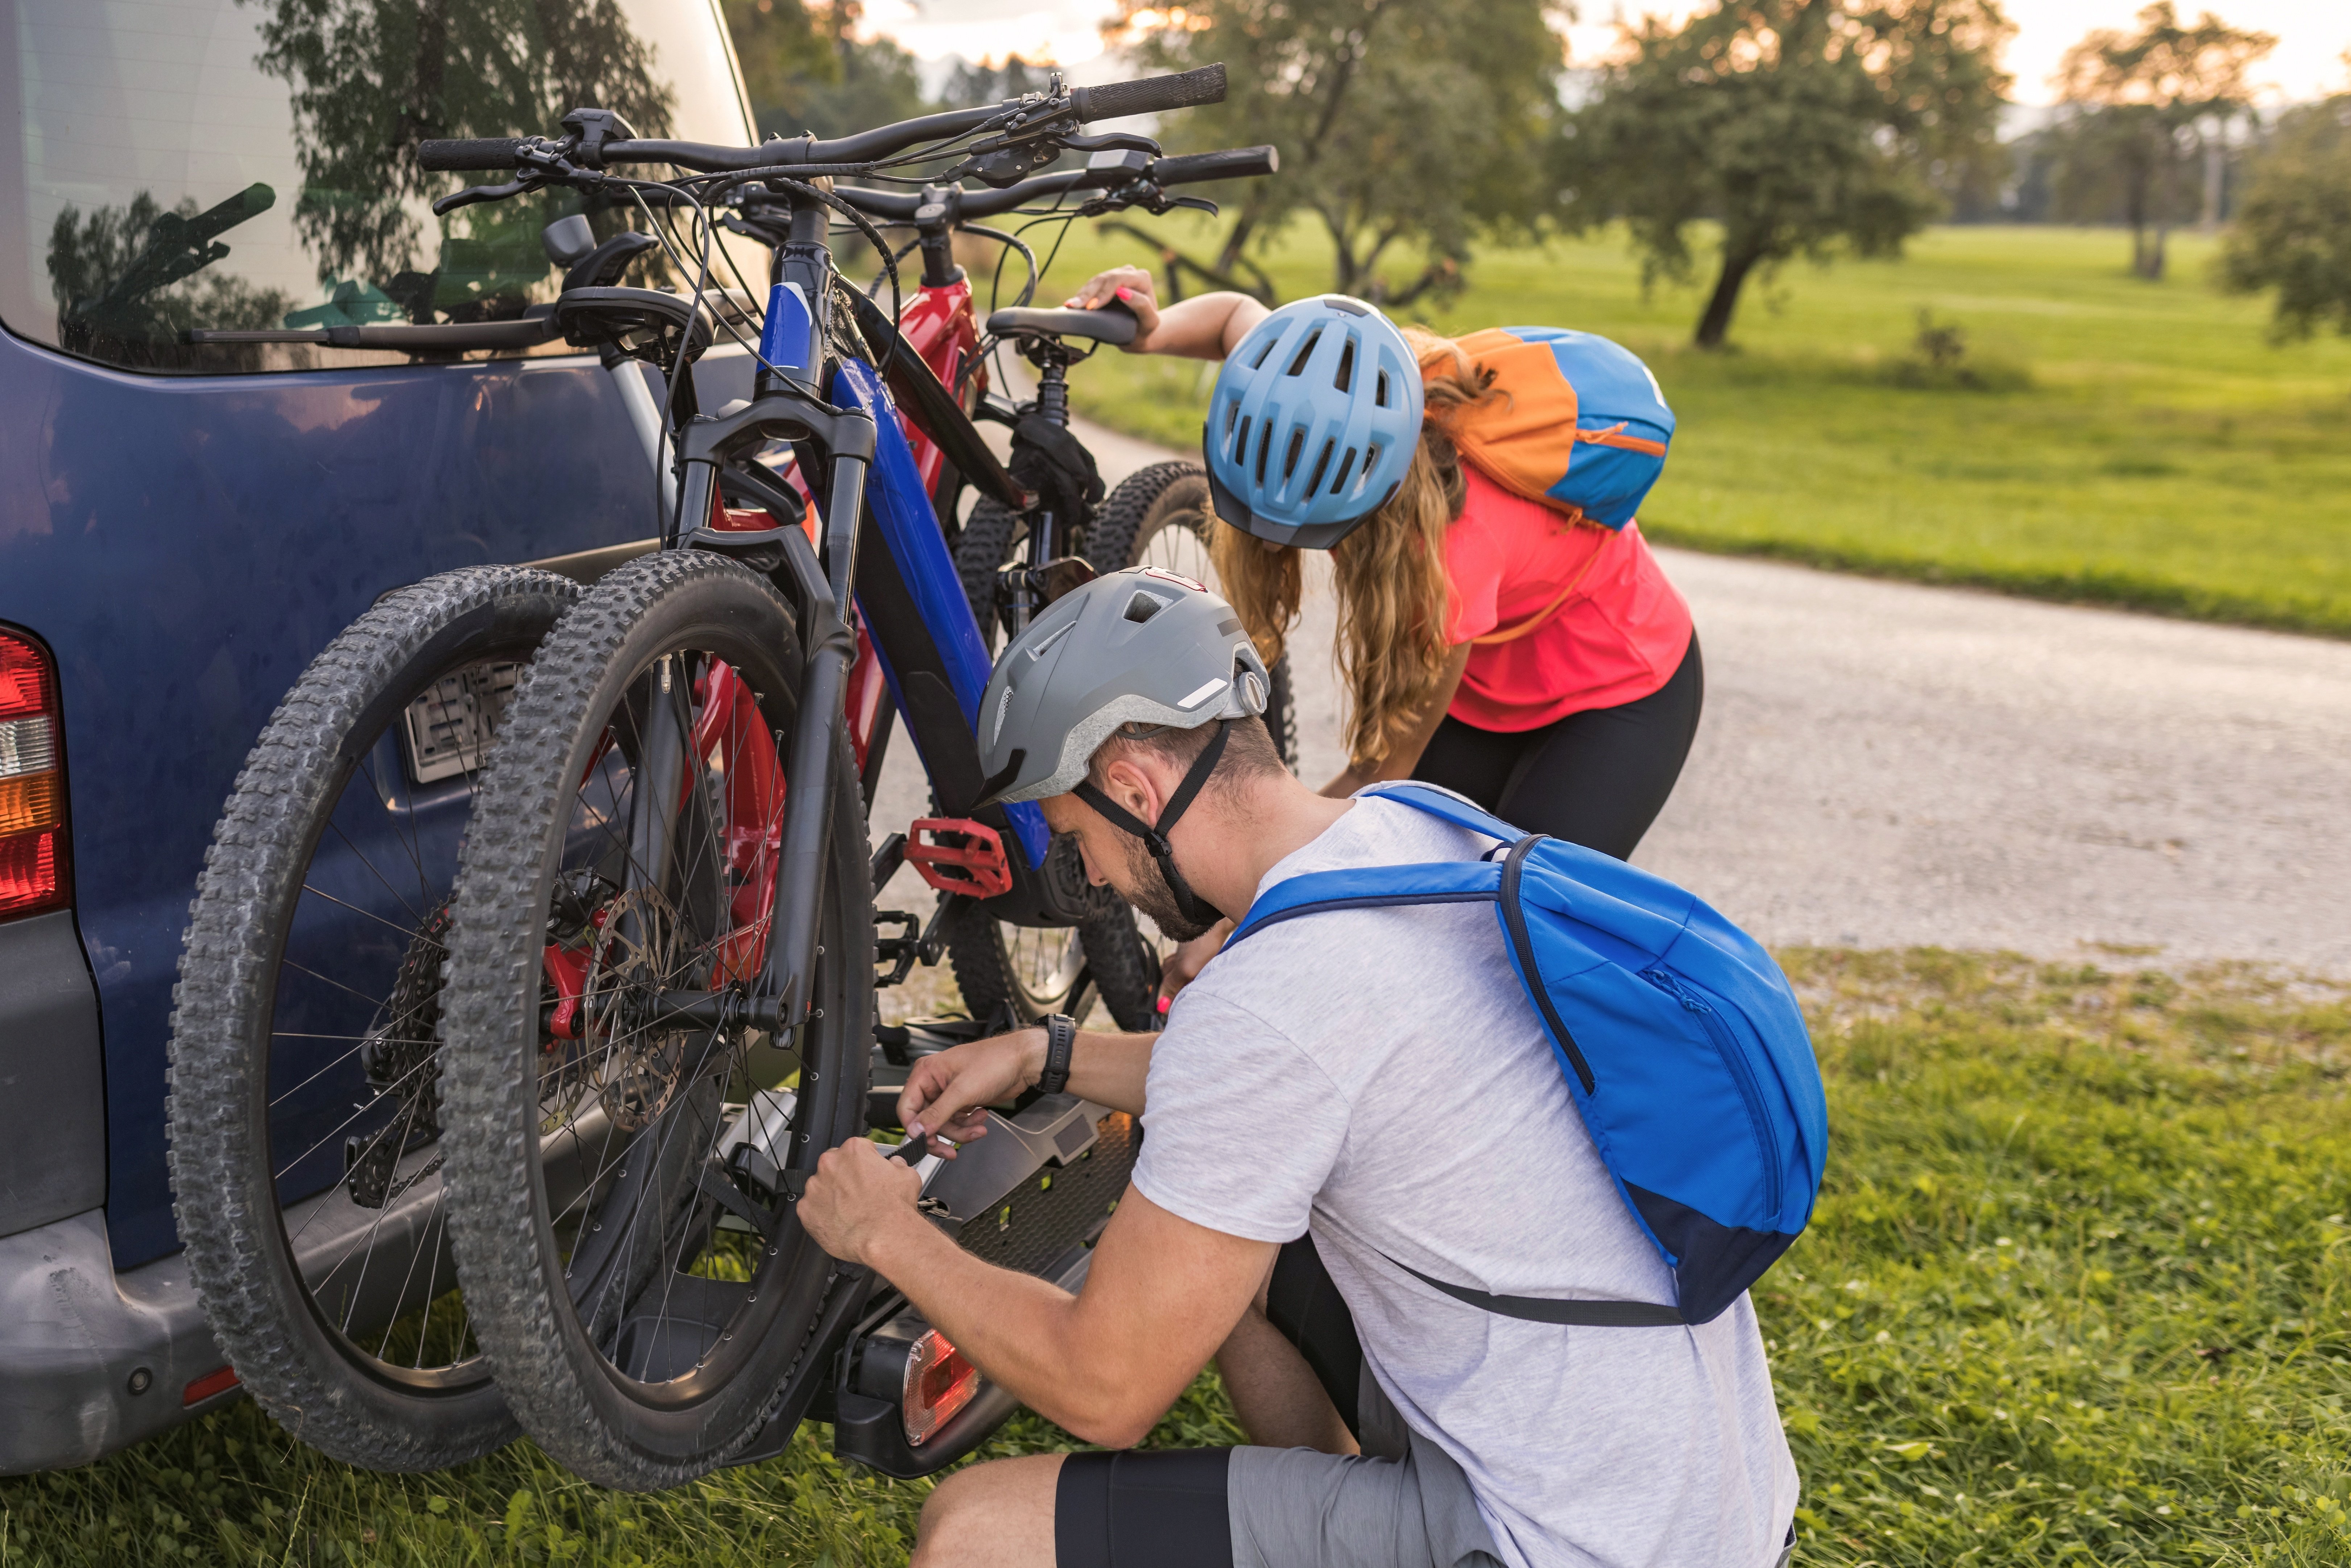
(959, 856)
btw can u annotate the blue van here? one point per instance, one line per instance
(184, 523)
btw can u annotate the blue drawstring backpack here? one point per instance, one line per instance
(1681, 1041)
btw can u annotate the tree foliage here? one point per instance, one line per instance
(2141, 106)
(370, 78)
(2293, 231)
(1799, 127)
(807, 71)
(1400, 122)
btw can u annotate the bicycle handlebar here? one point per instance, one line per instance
(1150, 94)
(471, 153)
(1231, 163)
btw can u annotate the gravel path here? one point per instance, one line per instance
(1882, 765)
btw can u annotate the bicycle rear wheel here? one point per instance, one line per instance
(1020, 974)
(638, 1279)
(305, 1108)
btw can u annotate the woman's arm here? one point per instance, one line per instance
(1205, 326)
(1405, 755)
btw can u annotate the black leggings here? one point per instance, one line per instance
(1596, 779)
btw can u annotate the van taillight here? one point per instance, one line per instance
(32, 781)
(940, 1382)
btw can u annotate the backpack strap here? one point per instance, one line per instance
(1371, 887)
(1446, 805)
(1546, 1309)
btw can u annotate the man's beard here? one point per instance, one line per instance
(1147, 890)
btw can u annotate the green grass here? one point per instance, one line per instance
(2138, 444)
(2079, 1291)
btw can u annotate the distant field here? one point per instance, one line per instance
(2150, 448)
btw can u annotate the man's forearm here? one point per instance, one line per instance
(1016, 1327)
(1111, 1069)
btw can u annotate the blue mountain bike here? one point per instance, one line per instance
(657, 1009)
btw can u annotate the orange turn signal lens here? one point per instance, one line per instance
(29, 803)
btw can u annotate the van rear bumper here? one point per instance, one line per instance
(74, 1336)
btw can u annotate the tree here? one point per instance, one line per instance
(807, 71)
(1398, 121)
(370, 78)
(1801, 127)
(2140, 105)
(2293, 231)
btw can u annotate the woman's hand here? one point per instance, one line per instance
(1179, 968)
(947, 1094)
(1131, 287)
(1205, 326)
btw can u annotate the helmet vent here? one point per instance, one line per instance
(1347, 364)
(1144, 606)
(1240, 447)
(1264, 447)
(1305, 353)
(1265, 353)
(1314, 482)
(1290, 459)
(1380, 392)
(1339, 486)
(1371, 459)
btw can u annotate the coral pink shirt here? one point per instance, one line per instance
(1619, 637)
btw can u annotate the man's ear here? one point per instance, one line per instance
(1130, 784)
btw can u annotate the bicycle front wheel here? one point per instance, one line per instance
(638, 1277)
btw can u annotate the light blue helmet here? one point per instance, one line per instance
(1314, 421)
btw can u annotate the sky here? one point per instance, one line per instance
(2308, 63)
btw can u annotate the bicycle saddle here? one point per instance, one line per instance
(1112, 327)
(590, 317)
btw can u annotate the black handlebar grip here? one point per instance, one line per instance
(484, 153)
(1232, 163)
(1151, 95)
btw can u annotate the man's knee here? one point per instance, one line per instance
(1002, 1507)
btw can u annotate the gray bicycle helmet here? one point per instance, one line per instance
(1139, 646)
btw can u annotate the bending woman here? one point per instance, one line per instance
(1517, 651)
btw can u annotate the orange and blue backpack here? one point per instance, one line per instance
(1580, 426)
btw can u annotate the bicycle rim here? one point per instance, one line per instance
(353, 1111)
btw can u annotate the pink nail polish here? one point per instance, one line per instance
(1126, 294)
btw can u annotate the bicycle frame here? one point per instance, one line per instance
(877, 486)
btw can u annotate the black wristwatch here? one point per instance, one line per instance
(1061, 1038)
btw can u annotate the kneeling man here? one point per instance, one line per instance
(1345, 1113)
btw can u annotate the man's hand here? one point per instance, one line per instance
(856, 1197)
(947, 1094)
(1131, 287)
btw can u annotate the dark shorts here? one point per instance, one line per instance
(1401, 1503)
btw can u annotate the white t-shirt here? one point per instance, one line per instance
(1378, 1078)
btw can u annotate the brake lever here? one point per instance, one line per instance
(1111, 140)
(444, 206)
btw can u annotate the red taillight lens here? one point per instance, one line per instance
(24, 679)
(32, 782)
(940, 1382)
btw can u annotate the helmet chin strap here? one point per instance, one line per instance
(1155, 838)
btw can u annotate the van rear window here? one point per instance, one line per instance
(167, 165)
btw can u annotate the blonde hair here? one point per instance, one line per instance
(1389, 572)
